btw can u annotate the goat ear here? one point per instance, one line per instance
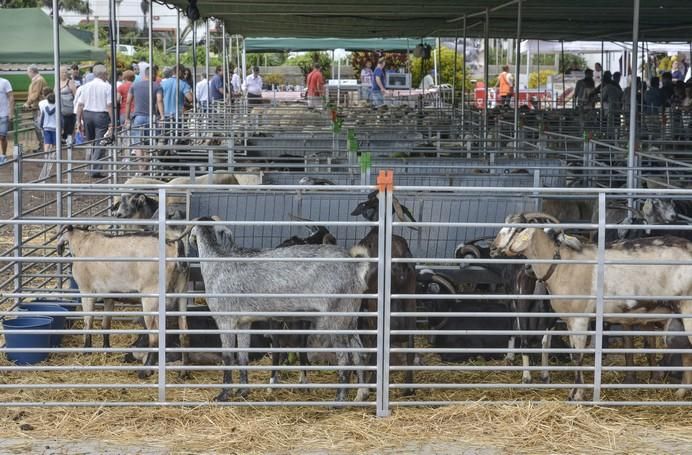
(116, 206)
(360, 208)
(570, 241)
(140, 199)
(522, 241)
(373, 195)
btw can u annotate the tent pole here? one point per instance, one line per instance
(224, 59)
(194, 66)
(58, 109)
(454, 72)
(485, 78)
(177, 72)
(463, 79)
(562, 64)
(152, 76)
(114, 65)
(206, 58)
(516, 82)
(244, 61)
(438, 68)
(538, 51)
(633, 102)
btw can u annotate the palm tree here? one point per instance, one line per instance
(144, 5)
(77, 6)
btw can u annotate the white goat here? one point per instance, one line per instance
(620, 279)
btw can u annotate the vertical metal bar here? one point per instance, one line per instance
(58, 120)
(562, 63)
(194, 67)
(633, 101)
(463, 84)
(17, 201)
(162, 296)
(538, 57)
(387, 299)
(114, 67)
(152, 77)
(178, 73)
(207, 43)
(224, 60)
(485, 78)
(382, 407)
(518, 73)
(454, 72)
(600, 285)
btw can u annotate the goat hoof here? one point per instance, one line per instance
(242, 392)
(526, 379)
(630, 379)
(143, 374)
(129, 358)
(185, 375)
(362, 395)
(407, 392)
(576, 395)
(222, 397)
(545, 379)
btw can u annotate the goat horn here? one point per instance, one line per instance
(540, 216)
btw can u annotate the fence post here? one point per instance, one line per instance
(385, 182)
(600, 283)
(17, 202)
(162, 295)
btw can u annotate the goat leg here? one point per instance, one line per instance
(630, 376)
(546, 343)
(686, 376)
(228, 342)
(243, 360)
(88, 306)
(106, 324)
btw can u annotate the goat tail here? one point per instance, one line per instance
(359, 251)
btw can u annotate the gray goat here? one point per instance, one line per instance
(235, 277)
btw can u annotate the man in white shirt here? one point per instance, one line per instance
(95, 110)
(235, 82)
(202, 92)
(6, 113)
(254, 87)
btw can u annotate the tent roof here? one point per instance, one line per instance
(660, 20)
(26, 35)
(576, 47)
(321, 44)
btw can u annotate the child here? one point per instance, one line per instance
(48, 121)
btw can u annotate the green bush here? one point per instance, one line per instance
(534, 78)
(446, 69)
(307, 60)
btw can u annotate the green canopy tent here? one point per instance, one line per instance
(26, 35)
(321, 44)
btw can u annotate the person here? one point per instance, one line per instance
(34, 96)
(123, 91)
(48, 122)
(666, 88)
(687, 102)
(68, 90)
(584, 90)
(143, 64)
(505, 84)
(174, 91)
(95, 115)
(428, 81)
(677, 72)
(202, 92)
(597, 74)
(6, 115)
(76, 76)
(366, 81)
(315, 84)
(653, 99)
(187, 77)
(627, 94)
(253, 84)
(235, 82)
(216, 89)
(88, 77)
(611, 92)
(138, 108)
(378, 91)
(135, 68)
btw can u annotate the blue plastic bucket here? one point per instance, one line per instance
(27, 340)
(58, 321)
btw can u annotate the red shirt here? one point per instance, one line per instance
(123, 90)
(315, 83)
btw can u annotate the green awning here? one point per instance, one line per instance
(570, 20)
(323, 44)
(26, 35)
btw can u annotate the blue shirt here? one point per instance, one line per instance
(378, 72)
(169, 95)
(216, 88)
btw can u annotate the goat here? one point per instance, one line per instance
(283, 277)
(120, 276)
(577, 279)
(403, 279)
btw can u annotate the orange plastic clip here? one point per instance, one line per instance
(385, 180)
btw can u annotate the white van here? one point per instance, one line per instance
(126, 49)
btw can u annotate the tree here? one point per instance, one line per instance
(395, 60)
(307, 60)
(420, 67)
(77, 6)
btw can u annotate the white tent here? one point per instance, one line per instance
(574, 47)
